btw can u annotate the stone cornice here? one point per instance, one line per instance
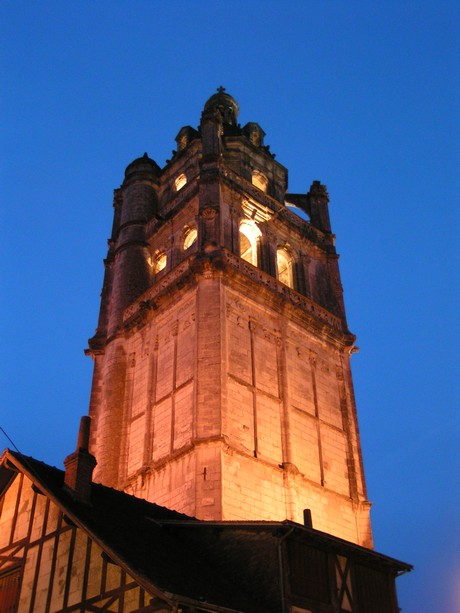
(147, 300)
(222, 260)
(283, 290)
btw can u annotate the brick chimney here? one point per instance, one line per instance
(79, 465)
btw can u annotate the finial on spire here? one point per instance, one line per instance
(220, 89)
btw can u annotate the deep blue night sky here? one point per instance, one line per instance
(362, 96)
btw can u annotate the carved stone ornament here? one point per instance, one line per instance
(209, 213)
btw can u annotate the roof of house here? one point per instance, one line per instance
(140, 537)
(223, 566)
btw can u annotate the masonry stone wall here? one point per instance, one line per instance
(284, 409)
(231, 409)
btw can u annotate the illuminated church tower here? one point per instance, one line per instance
(222, 383)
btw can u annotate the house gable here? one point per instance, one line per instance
(113, 554)
(55, 564)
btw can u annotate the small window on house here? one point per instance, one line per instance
(190, 237)
(343, 579)
(259, 180)
(180, 181)
(284, 267)
(249, 237)
(9, 590)
(159, 263)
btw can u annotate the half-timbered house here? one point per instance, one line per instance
(118, 553)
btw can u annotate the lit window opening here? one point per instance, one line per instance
(259, 180)
(160, 262)
(249, 237)
(190, 237)
(284, 267)
(180, 181)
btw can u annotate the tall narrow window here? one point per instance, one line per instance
(249, 237)
(160, 261)
(180, 181)
(284, 267)
(190, 236)
(259, 180)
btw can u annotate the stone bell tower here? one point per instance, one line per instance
(222, 384)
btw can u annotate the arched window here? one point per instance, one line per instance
(159, 262)
(189, 238)
(284, 267)
(180, 181)
(259, 180)
(249, 237)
